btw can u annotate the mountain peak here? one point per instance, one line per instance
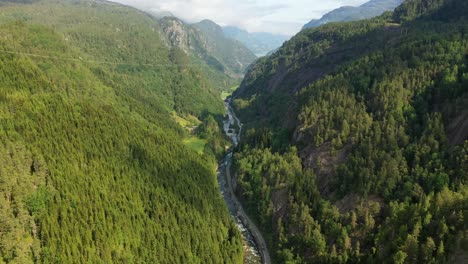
(209, 26)
(208, 22)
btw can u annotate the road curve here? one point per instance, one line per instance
(257, 235)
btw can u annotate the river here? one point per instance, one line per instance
(254, 244)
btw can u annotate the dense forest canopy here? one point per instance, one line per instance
(92, 165)
(356, 139)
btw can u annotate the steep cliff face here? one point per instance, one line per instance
(185, 37)
(177, 33)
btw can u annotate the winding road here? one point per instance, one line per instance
(236, 208)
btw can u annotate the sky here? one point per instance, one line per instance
(275, 16)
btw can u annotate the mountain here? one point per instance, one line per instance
(260, 43)
(355, 139)
(93, 165)
(370, 9)
(231, 53)
(224, 61)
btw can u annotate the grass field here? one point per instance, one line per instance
(195, 143)
(190, 122)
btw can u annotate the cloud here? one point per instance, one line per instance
(253, 15)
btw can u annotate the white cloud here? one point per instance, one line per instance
(276, 16)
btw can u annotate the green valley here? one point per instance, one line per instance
(131, 136)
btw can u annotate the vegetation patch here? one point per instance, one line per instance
(195, 143)
(186, 121)
(227, 93)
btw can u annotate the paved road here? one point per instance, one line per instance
(262, 246)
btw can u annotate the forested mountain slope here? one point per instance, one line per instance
(92, 168)
(355, 140)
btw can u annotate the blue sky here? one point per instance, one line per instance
(275, 16)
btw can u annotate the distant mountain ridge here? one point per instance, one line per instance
(370, 9)
(260, 43)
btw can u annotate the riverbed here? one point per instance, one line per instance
(232, 129)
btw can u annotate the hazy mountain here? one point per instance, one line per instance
(232, 53)
(349, 13)
(260, 43)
